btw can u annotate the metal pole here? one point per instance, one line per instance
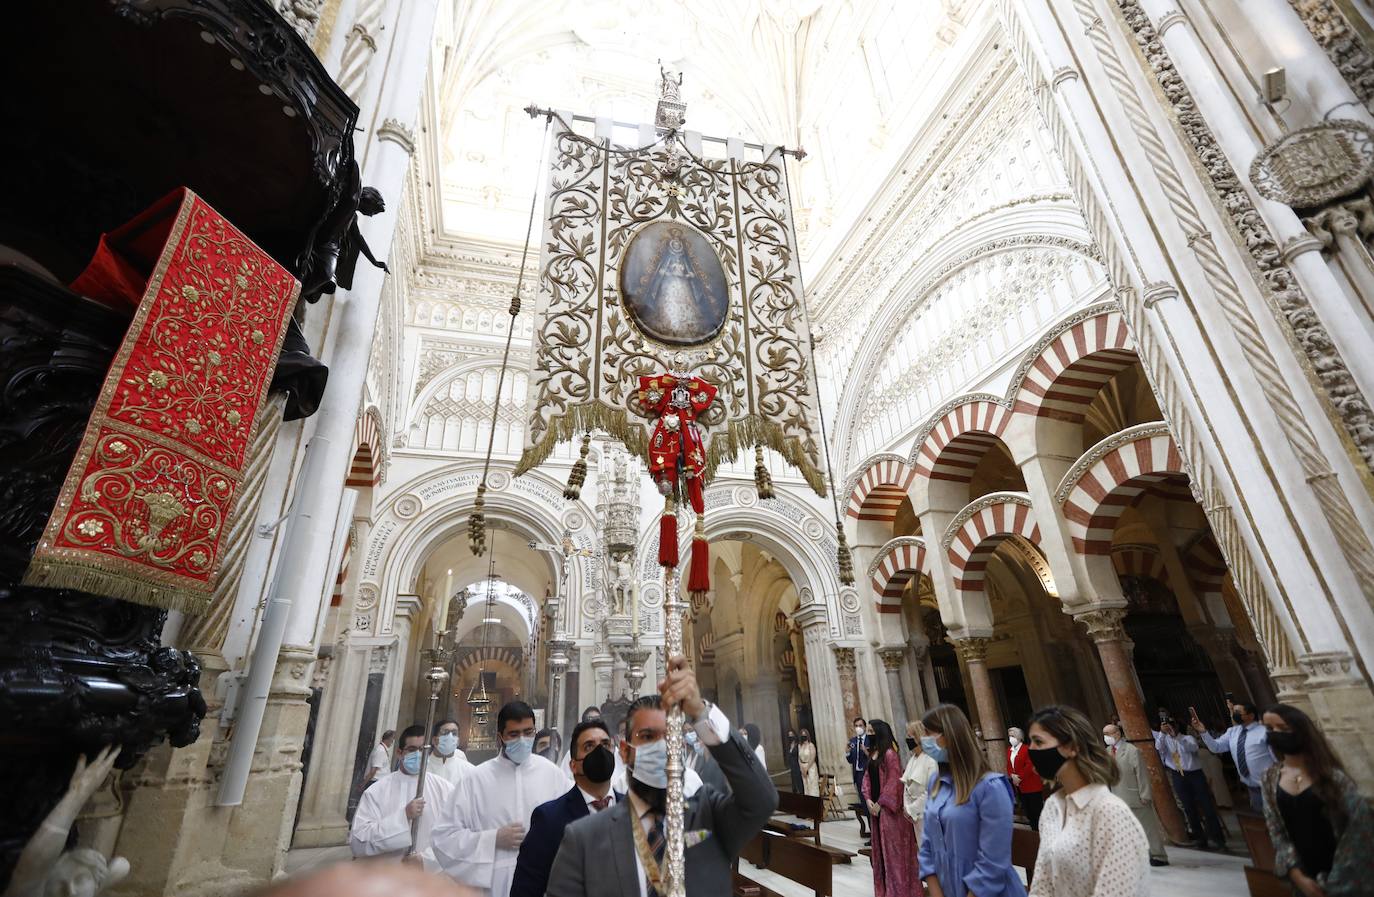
(437, 676)
(673, 610)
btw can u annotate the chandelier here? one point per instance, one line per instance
(478, 698)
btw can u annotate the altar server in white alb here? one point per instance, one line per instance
(381, 827)
(448, 761)
(478, 834)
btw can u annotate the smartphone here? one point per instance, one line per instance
(1230, 697)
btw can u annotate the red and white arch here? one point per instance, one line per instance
(897, 564)
(1110, 477)
(879, 488)
(1069, 370)
(976, 532)
(958, 439)
(365, 471)
(1139, 560)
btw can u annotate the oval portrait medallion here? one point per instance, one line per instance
(674, 285)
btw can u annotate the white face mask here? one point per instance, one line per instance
(859, 730)
(1110, 740)
(448, 743)
(1014, 740)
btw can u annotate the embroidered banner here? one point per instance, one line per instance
(658, 259)
(143, 511)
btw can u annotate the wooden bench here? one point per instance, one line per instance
(1025, 849)
(811, 809)
(796, 860)
(1260, 877)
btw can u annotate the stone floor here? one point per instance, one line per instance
(1190, 872)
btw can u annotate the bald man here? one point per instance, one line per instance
(367, 879)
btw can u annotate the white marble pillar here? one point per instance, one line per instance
(827, 705)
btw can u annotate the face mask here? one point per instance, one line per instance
(1047, 761)
(805, 737)
(1109, 740)
(1237, 718)
(1013, 740)
(911, 744)
(598, 765)
(690, 736)
(410, 763)
(448, 743)
(937, 753)
(1286, 742)
(651, 764)
(859, 730)
(519, 750)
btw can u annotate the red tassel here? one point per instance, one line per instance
(667, 535)
(694, 494)
(699, 578)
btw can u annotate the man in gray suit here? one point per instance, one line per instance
(602, 856)
(1134, 789)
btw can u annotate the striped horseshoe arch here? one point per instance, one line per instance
(1074, 365)
(898, 562)
(364, 471)
(956, 441)
(976, 532)
(1110, 477)
(880, 488)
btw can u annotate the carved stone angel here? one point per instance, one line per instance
(43, 869)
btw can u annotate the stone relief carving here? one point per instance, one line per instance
(1345, 50)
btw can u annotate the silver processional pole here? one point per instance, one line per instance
(673, 610)
(436, 676)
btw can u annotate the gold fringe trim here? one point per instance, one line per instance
(56, 574)
(740, 435)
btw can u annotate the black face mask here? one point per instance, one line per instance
(598, 765)
(911, 744)
(805, 737)
(1287, 742)
(1237, 718)
(1046, 761)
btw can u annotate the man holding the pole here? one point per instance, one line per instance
(382, 825)
(622, 851)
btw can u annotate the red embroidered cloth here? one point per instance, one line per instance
(143, 512)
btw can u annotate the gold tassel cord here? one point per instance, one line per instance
(477, 523)
(843, 559)
(578, 476)
(763, 481)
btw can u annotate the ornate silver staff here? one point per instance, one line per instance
(673, 610)
(437, 676)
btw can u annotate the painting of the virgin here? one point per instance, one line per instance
(673, 285)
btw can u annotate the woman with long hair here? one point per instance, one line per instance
(810, 770)
(894, 843)
(966, 842)
(1090, 841)
(1321, 826)
(920, 769)
(755, 739)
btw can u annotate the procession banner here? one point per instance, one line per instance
(659, 261)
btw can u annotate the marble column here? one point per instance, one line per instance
(849, 682)
(893, 661)
(1105, 629)
(827, 704)
(974, 651)
(327, 788)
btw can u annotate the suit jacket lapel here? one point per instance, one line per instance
(574, 805)
(623, 847)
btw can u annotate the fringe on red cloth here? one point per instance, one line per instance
(694, 494)
(699, 577)
(667, 535)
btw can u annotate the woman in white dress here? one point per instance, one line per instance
(806, 756)
(1090, 841)
(920, 769)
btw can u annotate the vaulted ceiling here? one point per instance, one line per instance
(848, 80)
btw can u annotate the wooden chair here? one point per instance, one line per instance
(1025, 848)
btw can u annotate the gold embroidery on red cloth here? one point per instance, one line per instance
(143, 509)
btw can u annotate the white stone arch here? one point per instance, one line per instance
(970, 245)
(515, 389)
(434, 508)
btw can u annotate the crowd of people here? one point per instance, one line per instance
(525, 825)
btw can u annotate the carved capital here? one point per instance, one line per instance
(1063, 74)
(1103, 625)
(1169, 19)
(972, 650)
(1325, 669)
(844, 659)
(1159, 291)
(893, 658)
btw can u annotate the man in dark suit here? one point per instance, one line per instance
(592, 765)
(603, 855)
(857, 757)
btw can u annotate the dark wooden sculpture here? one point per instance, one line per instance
(110, 105)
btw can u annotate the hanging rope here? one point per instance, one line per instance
(843, 559)
(477, 523)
